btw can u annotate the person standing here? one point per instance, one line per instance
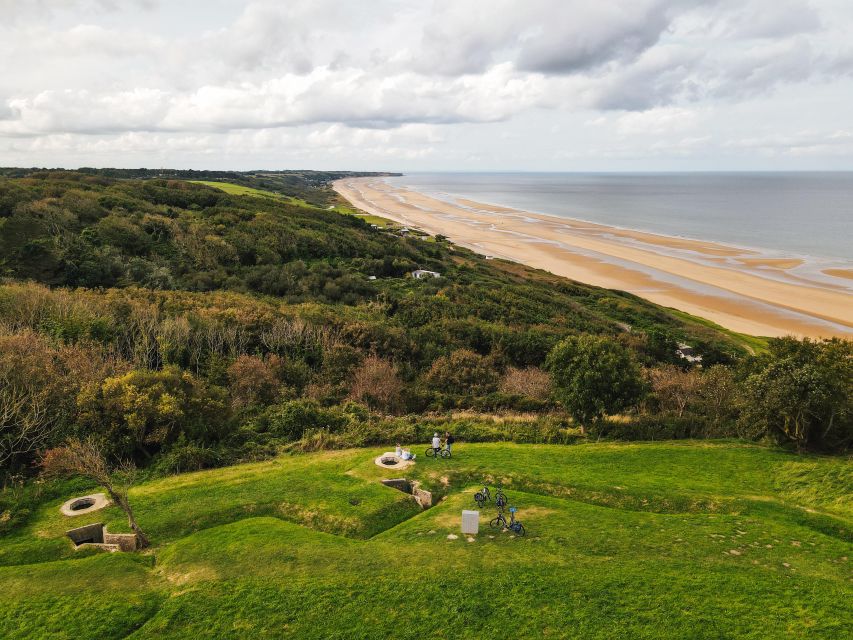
(436, 442)
(448, 440)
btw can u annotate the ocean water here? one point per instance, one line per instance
(802, 214)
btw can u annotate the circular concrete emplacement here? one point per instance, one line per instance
(84, 504)
(391, 460)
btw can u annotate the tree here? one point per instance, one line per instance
(141, 411)
(377, 384)
(253, 381)
(674, 388)
(26, 421)
(462, 372)
(592, 377)
(530, 382)
(718, 394)
(802, 392)
(86, 458)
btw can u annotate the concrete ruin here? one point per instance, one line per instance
(96, 535)
(84, 504)
(390, 460)
(421, 496)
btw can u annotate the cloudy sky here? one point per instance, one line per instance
(428, 85)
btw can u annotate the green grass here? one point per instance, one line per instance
(240, 190)
(647, 540)
(345, 208)
(342, 208)
(753, 344)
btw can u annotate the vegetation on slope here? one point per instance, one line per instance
(671, 540)
(188, 327)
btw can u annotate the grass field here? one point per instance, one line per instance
(650, 540)
(341, 207)
(240, 190)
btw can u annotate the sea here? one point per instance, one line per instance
(806, 215)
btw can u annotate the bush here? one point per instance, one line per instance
(186, 456)
(376, 383)
(658, 427)
(530, 382)
(463, 372)
(290, 420)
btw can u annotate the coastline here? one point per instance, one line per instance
(738, 288)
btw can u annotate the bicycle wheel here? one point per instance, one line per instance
(479, 499)
(430, 453)
(498, 523)
(445, 453)
(519, 529)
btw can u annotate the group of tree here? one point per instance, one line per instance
(177, 326)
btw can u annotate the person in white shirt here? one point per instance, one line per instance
(436, 442)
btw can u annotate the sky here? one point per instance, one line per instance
(420, 85)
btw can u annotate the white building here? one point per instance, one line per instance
(423, 273)
(686, 352)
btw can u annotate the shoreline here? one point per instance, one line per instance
(738, 288)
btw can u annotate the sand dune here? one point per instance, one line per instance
(737, 288)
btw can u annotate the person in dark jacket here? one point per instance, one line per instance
(448, 440)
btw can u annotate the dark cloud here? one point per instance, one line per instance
(592, 35)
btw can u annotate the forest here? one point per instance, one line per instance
(185, 328)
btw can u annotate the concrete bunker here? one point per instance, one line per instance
(96, 535)
(84, 504)
(421, 496)
(390, 460)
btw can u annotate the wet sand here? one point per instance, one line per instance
(740, 289)
(839, 273)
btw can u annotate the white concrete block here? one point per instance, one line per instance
(470, 521)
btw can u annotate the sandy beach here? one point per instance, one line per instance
(740, 289)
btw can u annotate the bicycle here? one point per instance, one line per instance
(482, 497)
(432, 452)
(513, 525)
(500, 498)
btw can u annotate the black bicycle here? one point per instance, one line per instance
(500, 498)
(482, 497)
(513, 525)
(432, 452)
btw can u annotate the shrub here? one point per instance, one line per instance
(530, 382)
(463, 372)
(377, 384)
(674, 388)
(658, 427)
(188, 456)
(252, 381)
(143, 411)
(290, 420)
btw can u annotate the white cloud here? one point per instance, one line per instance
(656, 121)
(307, 75)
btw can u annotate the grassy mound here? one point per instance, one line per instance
(666, 540)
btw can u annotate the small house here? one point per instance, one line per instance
(686, 352)
(423, 273)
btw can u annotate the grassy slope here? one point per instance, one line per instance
(241, 190)
(666, 540)
(341, 206)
